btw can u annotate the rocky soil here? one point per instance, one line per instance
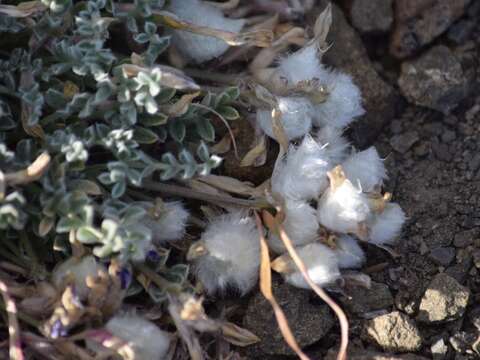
(417, 63)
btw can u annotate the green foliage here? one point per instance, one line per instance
(103, 115)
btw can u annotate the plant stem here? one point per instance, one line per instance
(176, 190)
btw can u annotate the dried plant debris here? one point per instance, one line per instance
(113, 116)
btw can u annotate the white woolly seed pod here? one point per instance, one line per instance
(302, 175)
(228, 254)
(144, 338)
(300, 224)
(296, 117)
(168, 224)
(320, 261)
(366, 168)
(302, 65)
(343, 207)
(343, 104)
(386, 226)
(201, 48)
(334, 144)
(78, 269)
(350, 254)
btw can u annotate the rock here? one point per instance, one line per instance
(393, 332)
(403, 142)
(349, 55)
(444, 300)
(460, 31)
(465, 238)
(443, 255)
(418, 22)
(442, 152)
(448, 136)
(439, 350)
(462, 341)
(372, 15)
(459, 271)
(435, 80)
(361, 301)
(474, 317)
(308, 322)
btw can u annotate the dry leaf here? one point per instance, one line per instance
(230, 185)
(15, 350)
(266, 289)
(342, 353)
(227, 5)
(31, 173)
(23, 10)
(181, 106)
(238, 336)
(260, 38)
(223, 146)
(257, 155)
(322, 26)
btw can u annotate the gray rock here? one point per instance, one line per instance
(462, 341)
(308, 322)
(448, 136)
(460, 271)
(403, 142)
(372, 15)
(418, 22)
(443, 255)
(444, 300)
(439, 350)
(476, 258)
(465, 238)
(361, 301)
(435, 80)
(393, 332)
(350, 56)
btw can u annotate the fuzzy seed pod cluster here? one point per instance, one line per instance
(331, 196)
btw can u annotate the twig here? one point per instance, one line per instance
(31, 173)
(266, 289)
(13, 326)
(176, 190)
(342, 352)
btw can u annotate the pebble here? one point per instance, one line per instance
(419, 22)
(403, 142)
(439, 350)
(393, 332)
(435, 80)
(361, 301)
(444, 300)
(372, 15)
(443, 255)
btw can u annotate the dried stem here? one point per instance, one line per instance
(31, 173)
(266, 289)
(342, 353)
(176, 190)
(13, 326)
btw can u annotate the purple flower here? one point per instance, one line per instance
(58, 330)
(125, 278)
(153, 256)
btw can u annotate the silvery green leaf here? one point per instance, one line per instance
(55, 98)
(88, 235)
(118, 189)
(202, 152)
(205, 129)
(141, 38)
(145, 136)
(177, 130)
